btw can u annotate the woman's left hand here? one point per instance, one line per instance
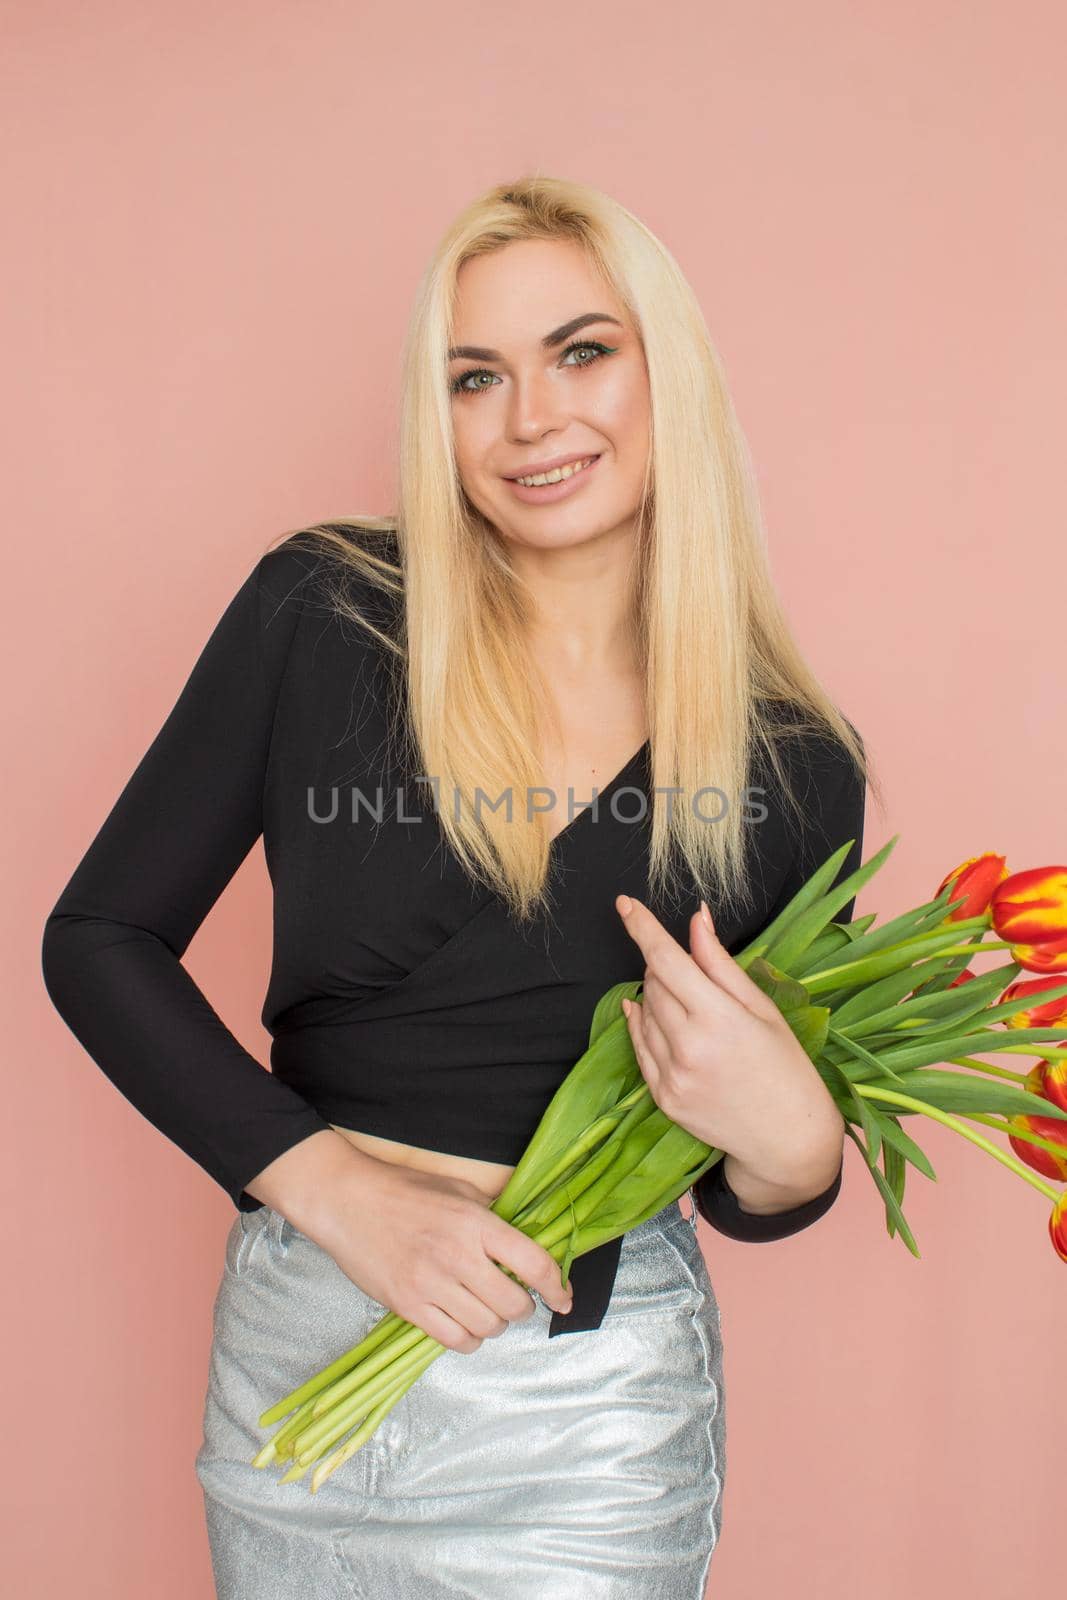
(718, 1056)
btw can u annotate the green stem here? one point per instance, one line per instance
(818, 980)
(983, 1066)
(1054, 1052)
(322, 1434)
(368, 1426)
(336, 1369)
(275, 1447)
(911, 1104)
(405, 1340)
(510, 1204)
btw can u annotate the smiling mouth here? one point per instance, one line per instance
(558, 475)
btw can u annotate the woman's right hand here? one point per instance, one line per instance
(428, 1247)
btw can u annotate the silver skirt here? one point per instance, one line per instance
(588, 1465)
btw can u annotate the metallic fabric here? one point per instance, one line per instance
(589, 1466)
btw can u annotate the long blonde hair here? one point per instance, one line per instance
(721, 665)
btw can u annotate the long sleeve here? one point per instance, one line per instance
(837, 815)
(187, 818)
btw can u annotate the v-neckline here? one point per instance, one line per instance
(603, 795)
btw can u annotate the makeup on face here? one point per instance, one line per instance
(532, 411)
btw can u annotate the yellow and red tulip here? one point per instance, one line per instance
(1035, 1016)
(1054, 1082)
(1050, 956)
(1057, 1226)
(1043, 1161)
(975, 879)
(1029, 910)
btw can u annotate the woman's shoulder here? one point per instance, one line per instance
(810, 750)
(344, 571)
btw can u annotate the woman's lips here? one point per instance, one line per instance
(547, 493)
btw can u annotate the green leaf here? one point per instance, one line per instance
(863, 1115)
(955, 965)
(900, 1146)
(885, 1004)
(785, 991)
(609, 1008)
(969, 1091)
(858, 1052)
(894, 1215)
(571, 1251)
(833, 939)
(864, 970)
(810, 898)
(908, 925)
(787, 947)
(807, 1022)
(982, 1041)
(893, 1164)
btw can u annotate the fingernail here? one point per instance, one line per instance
(705, 917)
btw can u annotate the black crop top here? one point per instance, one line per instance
(403, 1001)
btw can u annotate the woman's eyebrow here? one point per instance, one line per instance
(475, 352)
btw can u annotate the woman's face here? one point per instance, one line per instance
(529, 387)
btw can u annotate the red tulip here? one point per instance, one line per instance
(1048, 956)
(975, 879)
(965, 977)
(1057, 1226)
(1054, 1082)
(1036, 1016)
(1043, 1161)
(1029, 910)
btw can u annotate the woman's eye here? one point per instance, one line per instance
(597, 350)
(460, 384)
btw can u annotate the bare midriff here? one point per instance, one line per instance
(488, 1176)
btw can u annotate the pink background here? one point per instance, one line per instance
(216, 216)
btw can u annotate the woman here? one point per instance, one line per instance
(602, 631)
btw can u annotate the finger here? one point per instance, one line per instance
(662, 1019)
(470, 1310)
(661, 1006)
(663, 955)
(716, 963)
(499, 1292)
(527, 1259)
(650, 1071)
(445, 1329)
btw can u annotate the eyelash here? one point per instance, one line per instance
(457, 383)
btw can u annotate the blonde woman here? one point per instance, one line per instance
(417, 713)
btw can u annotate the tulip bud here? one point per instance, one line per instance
(1035, 1016)
(1049, 956)
(1057, 1226)
(1029, 911)
(1054, 1081)
(975, 879)
(1043, 1161)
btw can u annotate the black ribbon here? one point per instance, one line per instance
(592, 1280)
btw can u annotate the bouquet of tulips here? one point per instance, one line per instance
(880, 1011)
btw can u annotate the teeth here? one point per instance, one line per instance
(558, 475)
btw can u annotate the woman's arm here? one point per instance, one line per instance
(836, 805)
(187, 818)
